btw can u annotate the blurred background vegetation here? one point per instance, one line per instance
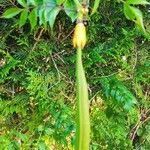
(37, 82)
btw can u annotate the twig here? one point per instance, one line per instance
(58, 72)
(37, 39)
(67, 36)
(117, 72)
(138, 124)
(12, 2)
(60, 58)
(94, 96)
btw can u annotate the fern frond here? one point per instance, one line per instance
(116, 90)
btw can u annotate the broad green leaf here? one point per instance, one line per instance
(95, 7)
(128, 12)
(137, 2)
(48, 6)
(134, 14)
(23, 17)
(42, 19)
(139, 18)
(11, 12)
(70, 9)
(33, 18)
(22, 3)
(52, 16)
(41, 16)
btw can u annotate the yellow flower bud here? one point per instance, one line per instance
(84, 11)
(79, 37)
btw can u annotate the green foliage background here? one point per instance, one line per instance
(37, 82)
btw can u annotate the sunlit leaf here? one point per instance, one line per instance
(128, 12)
(139, 18)
(33, 18)
(134, 14)
(11, 12)
(52, 16)
(70, 9)
(23, 17)
(22, 3)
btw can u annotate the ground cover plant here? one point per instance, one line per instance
(74, 74)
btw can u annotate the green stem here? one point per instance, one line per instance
(85, 2)
(77, 3)
(83, 120)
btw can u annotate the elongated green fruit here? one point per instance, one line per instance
(83, 121)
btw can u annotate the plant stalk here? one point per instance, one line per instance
(85, 2)
(83, 120)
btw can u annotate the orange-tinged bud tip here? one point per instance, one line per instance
(79, 37)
